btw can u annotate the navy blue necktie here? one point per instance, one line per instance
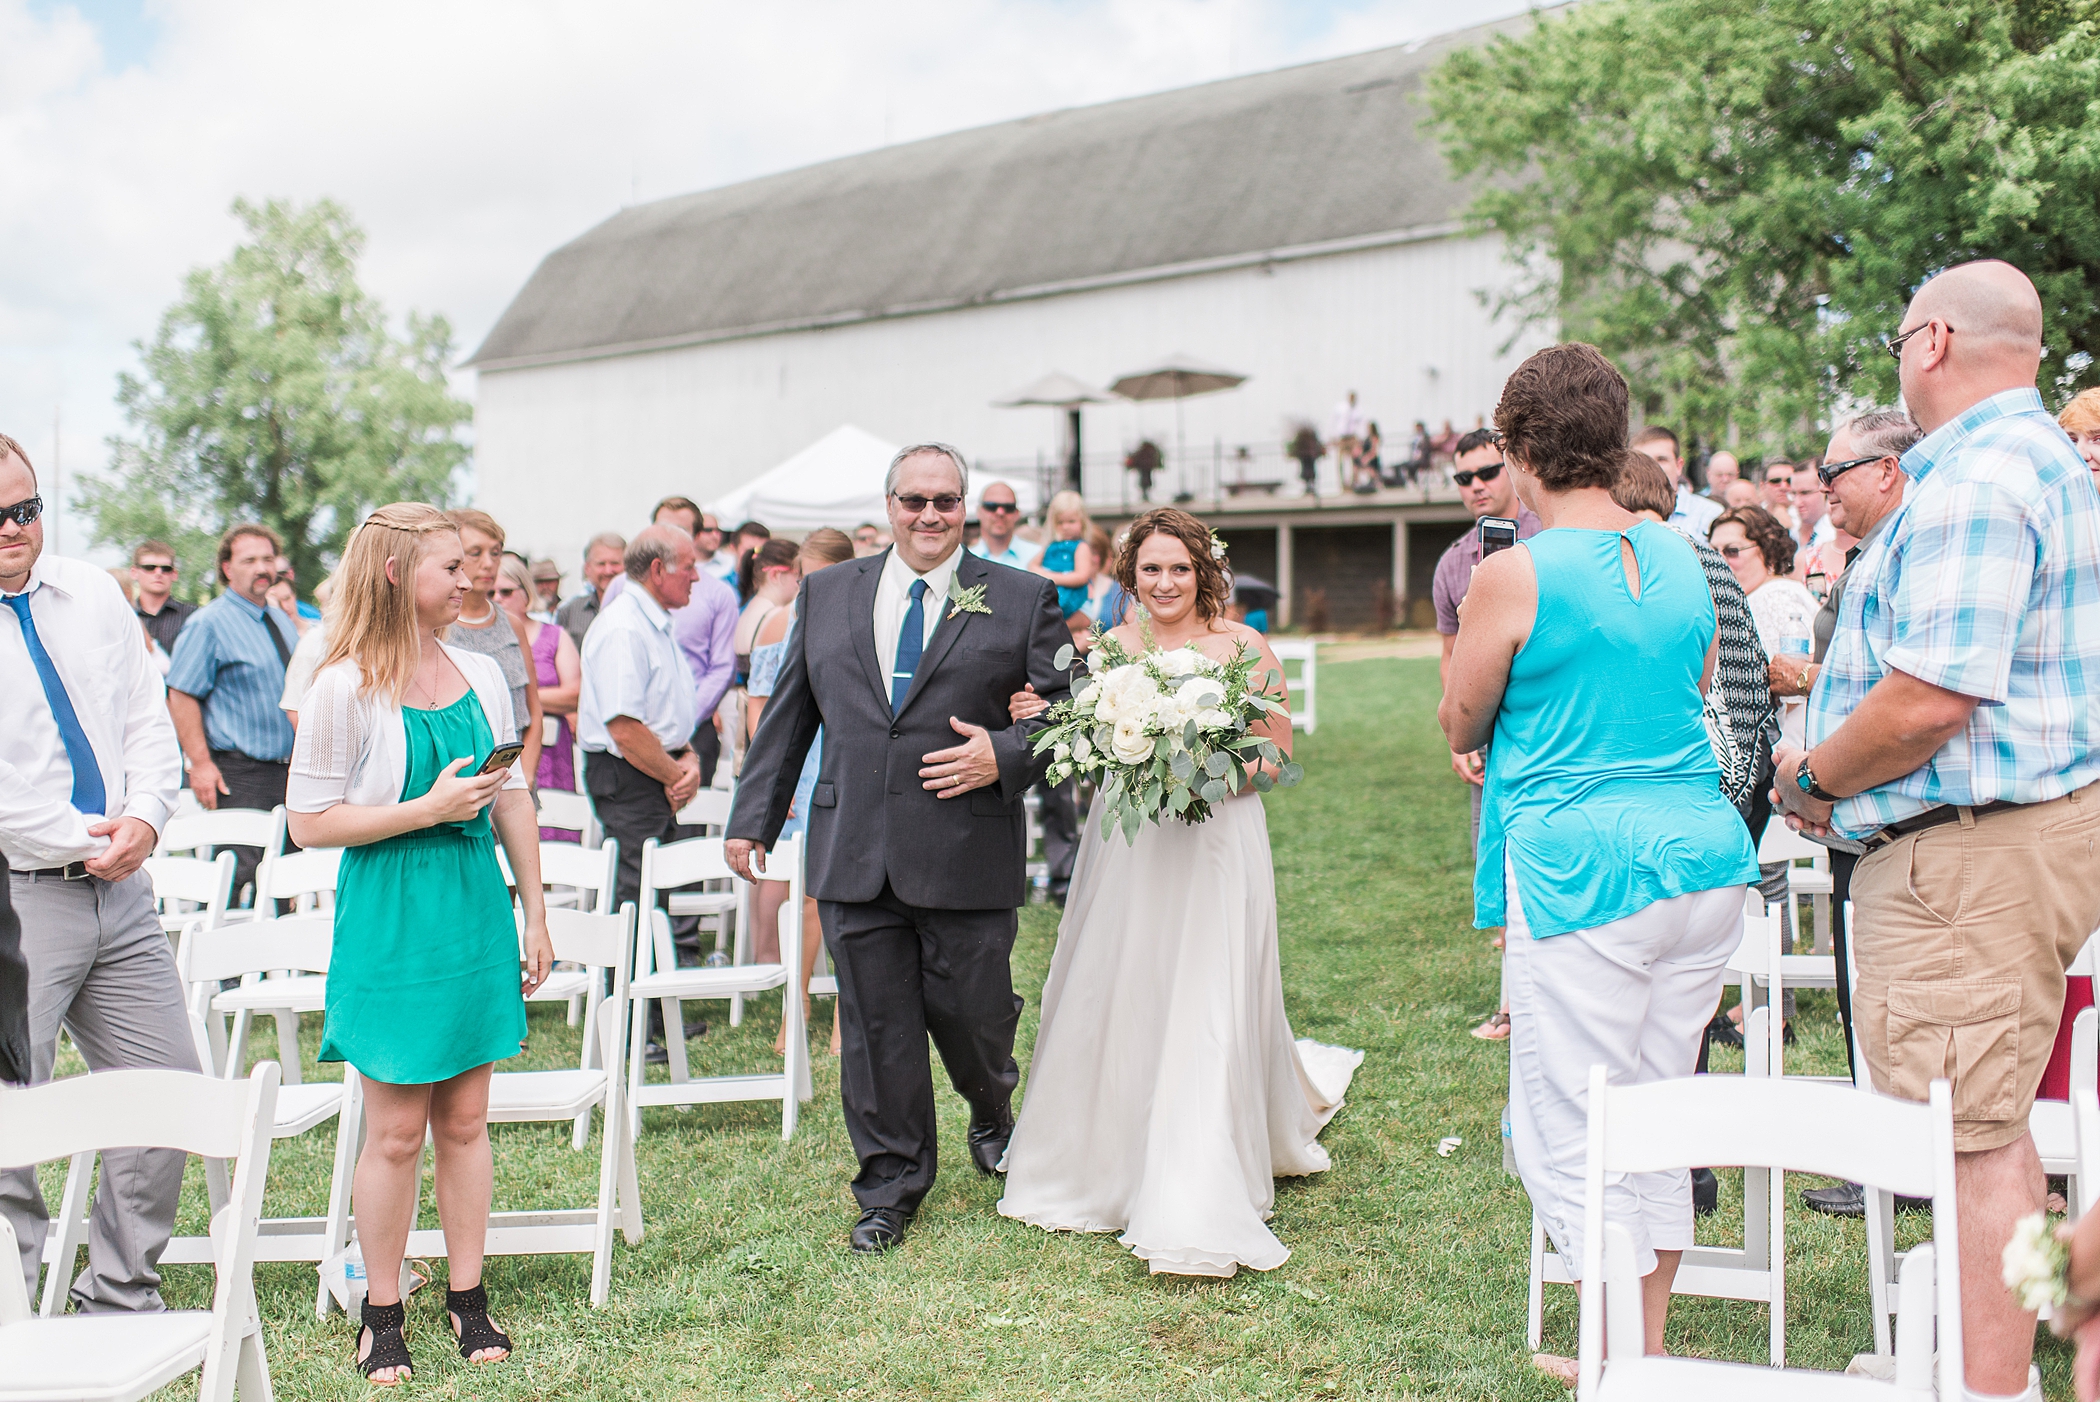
(88, 795)
(910, 643)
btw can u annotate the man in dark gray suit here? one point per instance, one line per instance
(917, 843)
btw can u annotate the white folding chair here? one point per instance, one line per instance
(1808, 875)
(1754, 1271)
(186, 888)
(2052, 1122)
(282, 994)
(195, 830)
(1304, 687)
(207, 958)
(586, 878)
(307, 879)
(1899, 1146)
(658, 976)
(2085, 1110)
(724, 906)
(571, 812)
(119, 1357)
(602, 944)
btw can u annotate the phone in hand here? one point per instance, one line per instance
(1496, 533)
(502, 757)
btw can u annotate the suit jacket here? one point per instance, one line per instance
(871, 820)
(14, 991)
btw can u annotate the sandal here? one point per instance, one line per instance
(1495, 1029)
(473, 1327)
(389, 1347)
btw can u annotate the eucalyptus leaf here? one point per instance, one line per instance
(1189, 734)
(1063, 660)
(1163, 746)
(1216, 765)
(1292, 773)
(1214, 791)
(1112, 790)
(1263, 781)
(1183, 765)
(1132, 821)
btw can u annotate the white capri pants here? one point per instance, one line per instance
(1634, 995)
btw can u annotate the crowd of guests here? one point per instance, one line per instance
(1899, 632)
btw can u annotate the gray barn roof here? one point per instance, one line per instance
(1238, 170)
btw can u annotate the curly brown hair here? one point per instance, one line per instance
(1213, 585)
(1765, 532)
(1563, 412)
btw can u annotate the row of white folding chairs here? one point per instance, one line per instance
(293, 953)
(123, 1356)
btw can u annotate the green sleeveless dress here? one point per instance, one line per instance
(423, 978)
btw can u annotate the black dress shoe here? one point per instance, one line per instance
(878, 1229)
(1723, 1032)
(1706, 1192)
(989, 1134)
(1844, 1200)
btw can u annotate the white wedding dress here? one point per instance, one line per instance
(1166, 1094)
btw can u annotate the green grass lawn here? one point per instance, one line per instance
(1407, 1269)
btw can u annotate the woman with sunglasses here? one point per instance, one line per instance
(557, 669)
(1761, 552)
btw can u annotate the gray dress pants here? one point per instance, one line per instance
(100, 964)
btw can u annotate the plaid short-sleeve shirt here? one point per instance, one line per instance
(1986, 582)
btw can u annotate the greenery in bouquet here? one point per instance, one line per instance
(1166, 733)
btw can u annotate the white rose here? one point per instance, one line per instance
(1181, 661)
(1199, 693)
(1082, 749)
(1085, 695)
(1212, 718)
(1131, 745)
(1126, 693)
(1060, 752)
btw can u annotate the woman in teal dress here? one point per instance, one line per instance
(425, 986)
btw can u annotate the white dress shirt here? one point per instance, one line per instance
(893, 599)
(632, 667)
(100, 654)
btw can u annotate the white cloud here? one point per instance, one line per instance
(471, 138)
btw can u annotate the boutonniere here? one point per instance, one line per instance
(967, 600)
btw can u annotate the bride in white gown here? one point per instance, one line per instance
(1166, 1094)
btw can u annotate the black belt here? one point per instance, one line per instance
(71, 871)
(1930, 818)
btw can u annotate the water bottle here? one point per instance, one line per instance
(1509, 1153)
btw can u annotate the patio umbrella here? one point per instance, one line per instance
(1252, 592)
(1179, 377)
(1057, 390)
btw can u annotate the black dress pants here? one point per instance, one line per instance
(251, 783)
(1060, 817)
(905, 972)
(632, 808)
(707, 748)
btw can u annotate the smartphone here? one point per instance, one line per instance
(1496, 533)
(502, 757)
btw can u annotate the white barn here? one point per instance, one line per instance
(1297, 226)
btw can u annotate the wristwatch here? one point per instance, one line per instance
(1805, 780)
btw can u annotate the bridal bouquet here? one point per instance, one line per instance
(1164, 733)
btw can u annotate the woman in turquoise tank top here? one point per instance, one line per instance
(425, 985)
(1607, 848)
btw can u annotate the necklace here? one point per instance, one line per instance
(484, 621)
(429, 691)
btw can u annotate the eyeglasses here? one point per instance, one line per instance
(1735, 551)
(948, 503)
(1829, 471)
(155, 569)
(23, 511)
(1894, 344)
(1487, 473)
(1004, 508)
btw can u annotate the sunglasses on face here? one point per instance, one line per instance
(155, 569)
(1831, 470)
(1487, 473)
(948, 503)
(1736, 552)
(1004, 508)
(24, 511)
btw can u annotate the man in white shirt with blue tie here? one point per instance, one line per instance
(89, 770)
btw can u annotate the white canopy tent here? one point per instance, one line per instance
(835, 481)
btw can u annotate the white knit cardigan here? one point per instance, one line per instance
(353, 746)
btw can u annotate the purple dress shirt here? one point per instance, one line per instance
(1454, 569)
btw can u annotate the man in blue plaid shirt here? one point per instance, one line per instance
(1951, 739)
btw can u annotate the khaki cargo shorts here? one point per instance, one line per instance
(1963, 933)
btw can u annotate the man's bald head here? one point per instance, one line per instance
(1972, 332)
(1988, 305)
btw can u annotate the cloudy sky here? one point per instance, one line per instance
(470, 137)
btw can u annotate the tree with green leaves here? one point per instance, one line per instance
(274, 392)
(1736, 198)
